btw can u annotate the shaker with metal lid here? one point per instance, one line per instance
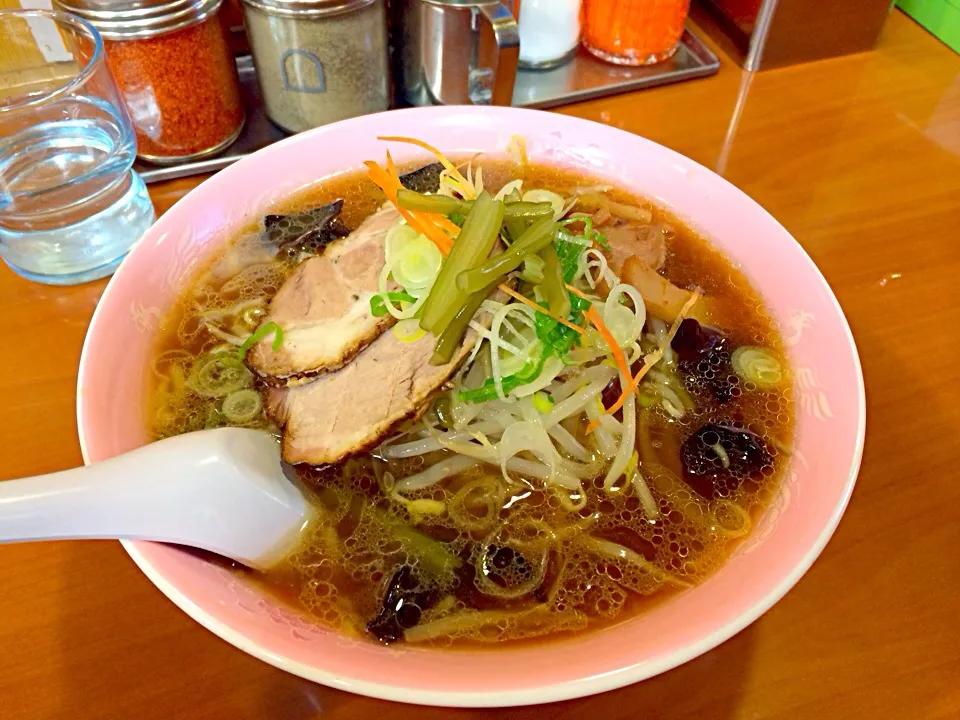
(319, 61)
(175, 71)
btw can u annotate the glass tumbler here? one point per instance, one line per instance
(633, 32)
(70, 204)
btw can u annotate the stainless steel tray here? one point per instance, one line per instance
(582, 78)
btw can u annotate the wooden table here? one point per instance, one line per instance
(860, 159)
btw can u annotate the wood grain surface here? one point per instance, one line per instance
(859, 157)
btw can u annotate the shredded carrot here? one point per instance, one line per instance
(526, 301)
(592, 425)
(467, 187)
(444, 223)
(392, 168)
(593, 316)
(579, 293)
(421, 222)
(653, 358)
(385, 182)
(648, 362)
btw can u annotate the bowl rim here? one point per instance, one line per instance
(526, 696)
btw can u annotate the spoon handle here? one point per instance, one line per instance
(220, 490)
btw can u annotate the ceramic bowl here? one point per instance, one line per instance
(112, 391)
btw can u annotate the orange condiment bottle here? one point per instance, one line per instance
(176, 73)
(633, 32)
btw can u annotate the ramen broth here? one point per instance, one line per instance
(478, 561)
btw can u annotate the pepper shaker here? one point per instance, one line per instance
(319, 61)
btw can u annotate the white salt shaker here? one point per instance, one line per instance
(549, 32)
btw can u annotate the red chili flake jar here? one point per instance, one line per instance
(175, 71)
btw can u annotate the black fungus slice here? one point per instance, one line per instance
(703, 356)
(717, 459)
(306, 232)
(404, 601)
(423, 180)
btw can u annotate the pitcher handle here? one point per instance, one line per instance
(507, 36)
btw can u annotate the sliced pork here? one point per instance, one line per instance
(324, 307)
(351, 410)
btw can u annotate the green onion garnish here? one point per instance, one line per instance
(261, 333)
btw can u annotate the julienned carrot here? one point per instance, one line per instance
(653, 358)
(539, 308)
(444, 223)
(418, 221)
(450, 167)
(383, 180)
(593, 316)
(576, 291)
(424, 219)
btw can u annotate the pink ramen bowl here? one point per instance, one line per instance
(112, 393)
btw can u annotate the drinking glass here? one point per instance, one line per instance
(70, 204)
(633, 32)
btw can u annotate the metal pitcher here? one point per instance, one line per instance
(454, 52)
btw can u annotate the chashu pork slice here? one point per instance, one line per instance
(351, 410)
(324, 307)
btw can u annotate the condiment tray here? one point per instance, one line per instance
(582, 78)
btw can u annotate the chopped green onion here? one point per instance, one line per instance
(259, 334)
(219, 374)
(757, 365)
(242, 406)
(589, 234)
(543, 402)
(378, 307)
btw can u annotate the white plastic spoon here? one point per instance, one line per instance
(220, 490)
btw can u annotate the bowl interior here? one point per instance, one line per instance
(830, 412)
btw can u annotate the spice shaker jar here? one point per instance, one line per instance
(549, 32)
(175, 70)
(319, 61)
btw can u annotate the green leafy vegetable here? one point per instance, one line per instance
(553, 290)
(532, 271)
(534, 239)
(453, 333)
(556, 338)
(569, 255)
(470, 250)
(488, 391)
